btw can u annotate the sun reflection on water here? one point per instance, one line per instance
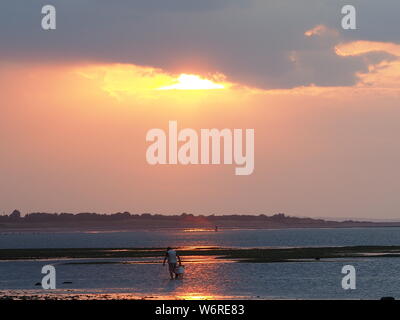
(195, 296)
(198, 229)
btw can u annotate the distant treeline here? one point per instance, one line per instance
(16, 216)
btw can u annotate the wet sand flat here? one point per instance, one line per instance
(255, 255)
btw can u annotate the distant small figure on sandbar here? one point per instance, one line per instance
(172, 258)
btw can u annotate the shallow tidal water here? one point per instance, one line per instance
(205, 277)
(203, 237)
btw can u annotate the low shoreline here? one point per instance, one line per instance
(252, 255)
(198, 228)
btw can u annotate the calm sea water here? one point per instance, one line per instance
(205, 277)
(193, 237)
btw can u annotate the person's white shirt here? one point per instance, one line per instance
(171, 256)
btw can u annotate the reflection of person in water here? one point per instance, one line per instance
(172, 258)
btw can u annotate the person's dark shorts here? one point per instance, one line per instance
(172, 267)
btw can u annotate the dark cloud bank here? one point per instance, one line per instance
(256, 42)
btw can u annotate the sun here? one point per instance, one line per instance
(192, 82)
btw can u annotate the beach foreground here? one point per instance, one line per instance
(73, 295)
(211, 273)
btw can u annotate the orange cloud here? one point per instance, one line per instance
(320, 30)
(356, 48)
(127, 81)
(385, 74)
(120, 80)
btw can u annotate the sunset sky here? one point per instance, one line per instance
(77, 102)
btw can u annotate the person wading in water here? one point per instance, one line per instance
(172, 258)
